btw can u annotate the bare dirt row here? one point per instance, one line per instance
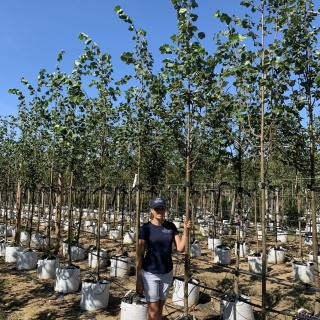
(23, 296)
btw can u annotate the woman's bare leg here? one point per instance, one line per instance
(155, 310)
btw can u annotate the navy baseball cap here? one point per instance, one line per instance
(158, 202)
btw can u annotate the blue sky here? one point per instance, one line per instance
(35, 31)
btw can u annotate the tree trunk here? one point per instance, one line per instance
(18, 210)
(187, 248)
(263, 190)
(138, 196)
(70, 217)
(99, 221)
(58, 217)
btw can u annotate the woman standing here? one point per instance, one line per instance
(154, 263)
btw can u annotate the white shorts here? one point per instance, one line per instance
(156, 286)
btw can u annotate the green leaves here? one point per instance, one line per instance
(219, 91)
(166, 49)
(83, 36)
(242, 37)
(127, 57)
(193, 17)
(223, 17)
(170, 64)
(17, 92)
(194, 4)
(60, 55)
(201, 35)
(317, 80)
(246, 3)
(122, 15)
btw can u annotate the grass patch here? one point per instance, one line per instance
(299, 300)
(253, 292)
(13, 304)
(7, 283)
(226, 283)
(201, 238)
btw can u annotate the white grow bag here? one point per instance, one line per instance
(120, 266)
(27, 260)
(236, 308)
(222, 255)
(67, 279)
(95, 295)
(178, 291)
(47, 267)
(133, 307)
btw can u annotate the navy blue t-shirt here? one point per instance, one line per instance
(158, 240)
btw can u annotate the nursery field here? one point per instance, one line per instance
(24, 296)
(221, 130)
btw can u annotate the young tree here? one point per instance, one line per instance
(181, 99)
(301, 56)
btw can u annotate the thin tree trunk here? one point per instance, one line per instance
(187, 247)
(313, 211)
(19, 204)
(138, 198)
(58, 217)
(236, 278)
(263, 191)
(50, 207)
(70, 217)
(299, 221)
(99, 221)
(32, 212)
(255, 218)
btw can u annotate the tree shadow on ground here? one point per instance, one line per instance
(273, 297)
(225, 284)
(51, 315)
(300, 299)
(216, 268)
(211, 318)
(204, 298)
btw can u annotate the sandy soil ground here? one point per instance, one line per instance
(24, 296)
